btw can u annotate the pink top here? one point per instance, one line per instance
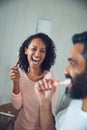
(27, 102)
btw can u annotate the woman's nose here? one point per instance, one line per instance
(37, 53)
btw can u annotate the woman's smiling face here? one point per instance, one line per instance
(36, 53)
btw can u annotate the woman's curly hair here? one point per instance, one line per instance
(50, 52)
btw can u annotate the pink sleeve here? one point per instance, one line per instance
(16, 100)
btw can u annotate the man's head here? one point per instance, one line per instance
(77, 67)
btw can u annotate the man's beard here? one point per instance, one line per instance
(79, 87)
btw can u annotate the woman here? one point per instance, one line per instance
(36, 56)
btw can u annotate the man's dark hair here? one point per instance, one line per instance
(50, 52)
(81, 38)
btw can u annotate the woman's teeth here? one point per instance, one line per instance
(35, 60)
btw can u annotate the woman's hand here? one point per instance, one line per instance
(14, 74)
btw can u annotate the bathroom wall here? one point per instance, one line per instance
(19, 19)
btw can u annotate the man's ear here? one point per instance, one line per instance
(25, 51)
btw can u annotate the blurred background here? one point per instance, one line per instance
(60, 19)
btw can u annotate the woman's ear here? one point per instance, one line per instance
(25, 51)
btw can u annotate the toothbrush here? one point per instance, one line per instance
(17, 62)
(65, 82)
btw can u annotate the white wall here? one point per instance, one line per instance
(18, 20)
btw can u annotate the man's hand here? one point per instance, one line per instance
(44, 90)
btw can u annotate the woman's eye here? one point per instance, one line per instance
(43, 51)
(34, 49)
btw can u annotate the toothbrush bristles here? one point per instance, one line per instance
(66, 82)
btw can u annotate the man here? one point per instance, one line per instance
(75, 118)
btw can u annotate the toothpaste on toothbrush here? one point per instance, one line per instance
(66, 82)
